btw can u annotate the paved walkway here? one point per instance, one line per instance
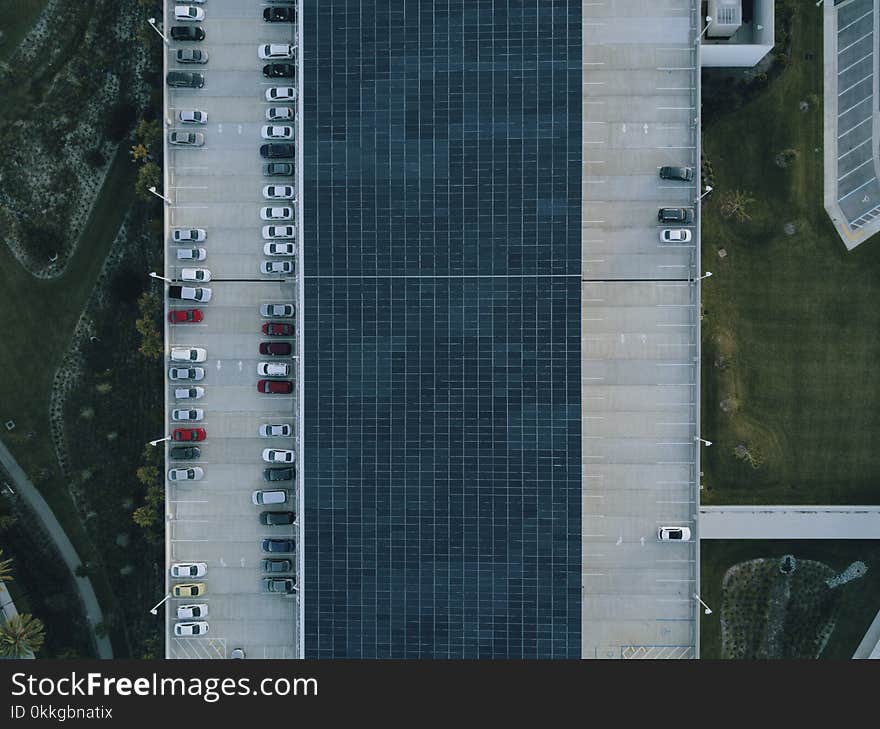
(870, 645)
(29, 493)
(789, 522)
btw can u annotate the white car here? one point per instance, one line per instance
(185, 630)
(197, 610)
(186, 373)
(674, 534)
(273, 369)
(272, 232)
(281, 93)
(280, 430)
(188, 354)
(279, 192)
(675, 235)
(191, 55)
(276, 267)
(273, 455)
(280, 213)
(201, 275)
(189, 393)
(188, 235)
(274, 131)
(191, 415)
(189, 293)
(284, 311)
(279, 113)
(193, 117)
(189, 569)
(274, 496)
(272, 51)
(186, 139)
(188, 13)
(279, 249)
(191, 254)
(193, 473)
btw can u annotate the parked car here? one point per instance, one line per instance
(675, 235)
(277, 518)
(187, 414)
(280, 267)
(281, 93)
(185, 79)
(188, 235)
(279, 113)
(182, 316)
(685, 174)
(276, 455)
(189, 354)
(188, 13)
(278, 545)
(237, 653)
(192, 117)
(276, 213)
(264, 498)
(278, 474)
(189, 293)
(279, 70)
(282, 310)
(278, 349)
(189, 569)
(676, 215)
(187, 33)
(200, 275)
(189, 393)
(276, 565)
(189, 435)
(282, 232)
(280, 430)
(279, 192)
(189, 589)
(186, 139)
(673, 534)
(274, 131)
(186, 373)
(190, 630)
(278, 329)
(274, 150)
(279, 585)
(275, 387)
(191, 254)
(273, 369)
(279, 249)
(276, 51)
(191, 55)
(278, 169)
(185, 453)
(195, 473)
(279, 15)
(195, 610)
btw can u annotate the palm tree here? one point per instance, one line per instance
(5, 568)
(21, 636)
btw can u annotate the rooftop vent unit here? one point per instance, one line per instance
(726, 18)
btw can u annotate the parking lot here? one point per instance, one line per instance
(640, 330)
(218, 188)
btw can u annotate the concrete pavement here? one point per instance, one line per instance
(790, 522)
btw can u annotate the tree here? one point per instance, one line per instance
(149, 133)
(7, 521)
(147, 475)
(736, 204)
(152, 346)
(149, 175)
(21, 636)
(144, 516)
(5, 568)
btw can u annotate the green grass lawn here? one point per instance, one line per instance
(791, 327)
(859, 603)
(19, 17)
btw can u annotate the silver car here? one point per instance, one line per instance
(193, 117)
(189, 393)
(186, 139)
(277, 310)
(191, 415)
(194, 473)
(282, 232)
(186, 373)
(279, 249)
(279, 430)
(276, 267)
(191, 55)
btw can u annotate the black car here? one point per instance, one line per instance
(276, 348)
(187, 33)
(685, 174)
(185, 79)
(278, 545)
(277, 565)
(277, 518)
(185, 453)
(278, 169)
(279, 70)
(279, 15)
(676, 215)
(282, 585)
(277, 149)
(279, 474)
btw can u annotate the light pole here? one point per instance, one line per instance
(702, 32)
(155, 609)
(700, 278)
(156, 442)
(152, 22)
(161, 197)
(709, 189)
(708, 610)
(153, 274)
(705, 442)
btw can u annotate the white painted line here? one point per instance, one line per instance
(863, 58)
(861, 80)
(840, 199)
(855, 169)
(860, 144)
(861, 17)
(866, 35)
(858, 103)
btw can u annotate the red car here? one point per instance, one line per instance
(181, 316)
(278, 348)
(188, 434)
(275, 387)
(278, 329)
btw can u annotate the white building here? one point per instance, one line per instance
(740, 32)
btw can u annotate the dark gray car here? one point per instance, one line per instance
(277, 518)
(278, 545)
(185, 79)
(278, 474)
(684, 174)
(278, 169)
(277, 565)
(279, 585)
(185, 453)
(676, 215)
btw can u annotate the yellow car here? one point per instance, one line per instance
(190, 589)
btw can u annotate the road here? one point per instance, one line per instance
(789, 522)
(29, 493)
